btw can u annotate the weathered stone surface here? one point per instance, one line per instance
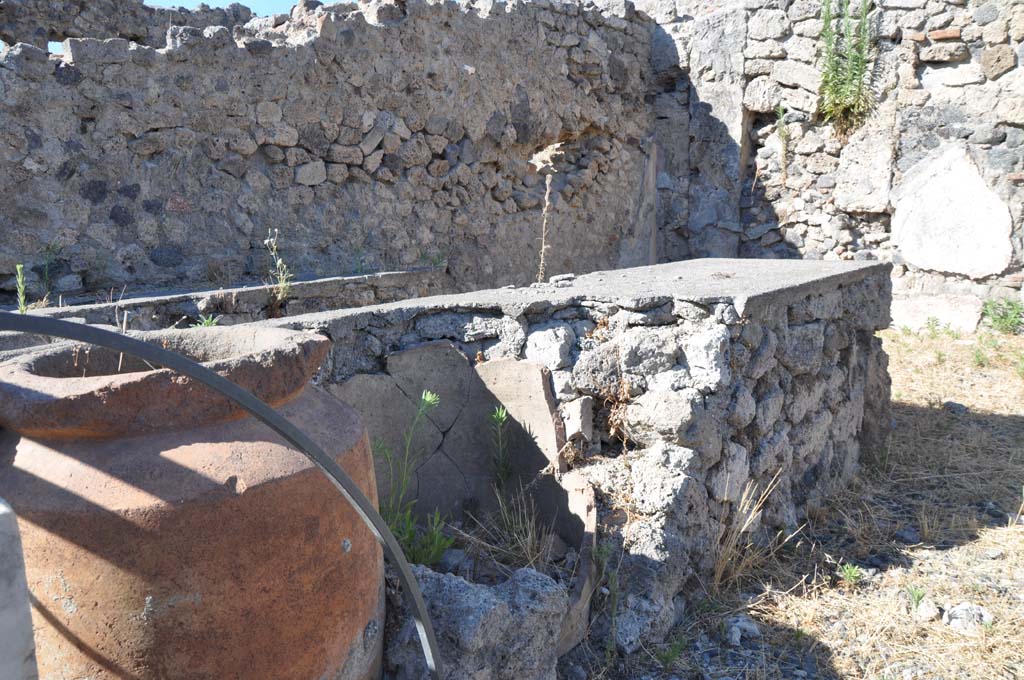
(17, 649)
(524, 388)
(947, 219)
(768, 24)
(1010, 109)
(998, 60)
(241, 134)
(511, 630)
(801, 350)
(388, 414)
(717, 128)
(762, 94)
(864, 175)
(311, 174)
(728, 481)
(952, 76)
(796, 74)
(439, 367)
(551, 345)
(945, 51)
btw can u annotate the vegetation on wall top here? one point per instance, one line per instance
(846, 94)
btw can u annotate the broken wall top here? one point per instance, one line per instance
(752, 288)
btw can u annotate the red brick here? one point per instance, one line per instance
(944, 34)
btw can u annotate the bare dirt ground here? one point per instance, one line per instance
(915, 572)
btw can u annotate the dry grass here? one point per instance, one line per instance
(944, 475)
(737, 554)
(513, 536)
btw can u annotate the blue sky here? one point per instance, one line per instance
(261, 7)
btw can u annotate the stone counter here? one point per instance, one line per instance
(680, 386)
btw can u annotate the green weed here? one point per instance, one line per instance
(280, 275)
(499, 437)
(423, 546)
(851, 574)
(846, 95)
(19, 275)
(206, 321)
(670, 653)
(916, 594)
(1005, 316)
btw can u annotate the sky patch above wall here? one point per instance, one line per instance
(260, 7)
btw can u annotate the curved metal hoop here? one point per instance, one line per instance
(267, 415)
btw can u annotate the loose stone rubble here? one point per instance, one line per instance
(717, 374)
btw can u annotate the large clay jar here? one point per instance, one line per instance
(167, 535)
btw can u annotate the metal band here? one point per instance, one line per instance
(261, 411)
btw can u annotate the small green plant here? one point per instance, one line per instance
(206, 321)
(280, 275)
(421, 545)
(979, 358)
(783, 132)
(1005, 316)
(1019, 366)
(916, 594)
(851, 574)
(19, 277)
(50, 252)
(846, 95)
(940, 357)
(499, 437)
(670, 653)
(610, 646)
(426, 545)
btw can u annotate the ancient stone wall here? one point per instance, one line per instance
(657, 125)
(931, 182)
(377, 138)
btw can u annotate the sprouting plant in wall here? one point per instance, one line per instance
(499, 437)
(846, 94)
(50, 252)
(423, 546)
(783, 132)
(206, 321)
(19, 278)
(610, 645)
(280, 275)
(401, 466)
